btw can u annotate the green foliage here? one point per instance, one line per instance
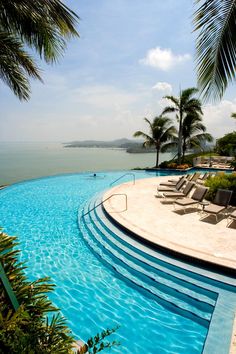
(164, 164)
(41, 26)
(184, 105)
(194, 133)
(222, 181)
(28, 330)
(216, 45)
(226, 146)
(161, 133)
(97, 344)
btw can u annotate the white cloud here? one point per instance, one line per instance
(163, 87)
(217, 118)
(163, 59)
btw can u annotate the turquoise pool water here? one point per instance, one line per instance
(43, 214)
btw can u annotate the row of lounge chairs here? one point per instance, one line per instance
(179, 190)
(222, 162)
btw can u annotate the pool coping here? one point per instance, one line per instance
(147, 235)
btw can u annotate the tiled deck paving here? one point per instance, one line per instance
(157, 222)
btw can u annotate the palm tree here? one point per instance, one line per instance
(183, 105)
(216, 45)
(161, 132)
(194, 133)
(41, 25)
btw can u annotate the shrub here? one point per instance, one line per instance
(183, 166)
(172, 165)
(164, 164)
(226, 146)
(188, 159)
(222, 181)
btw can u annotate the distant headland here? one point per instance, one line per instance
(131, 146)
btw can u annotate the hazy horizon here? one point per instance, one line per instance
(23, 161)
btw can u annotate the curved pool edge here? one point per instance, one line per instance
(156, 225)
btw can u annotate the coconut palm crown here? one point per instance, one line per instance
(194, 133)
(185, 104)
(215, 21)
(41, 25)
(161, 132)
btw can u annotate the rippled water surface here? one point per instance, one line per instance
(43, 214)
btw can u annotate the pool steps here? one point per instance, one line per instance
(123, 254)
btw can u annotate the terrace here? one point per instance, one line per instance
(156, 221)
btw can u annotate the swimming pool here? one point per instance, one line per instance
(43, 214)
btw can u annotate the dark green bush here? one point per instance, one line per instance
(164, 164)
(221, 181)
(226, 146)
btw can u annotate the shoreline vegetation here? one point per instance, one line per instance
(132, 147)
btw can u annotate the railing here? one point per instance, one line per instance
(126, 174)
(103, 201)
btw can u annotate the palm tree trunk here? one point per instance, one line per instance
(157, 157)
(183, 150)
(180, 142)
(180, 136)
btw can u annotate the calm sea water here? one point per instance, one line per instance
(21, 161)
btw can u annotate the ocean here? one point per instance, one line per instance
(22, 161)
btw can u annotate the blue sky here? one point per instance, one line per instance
(130, 54)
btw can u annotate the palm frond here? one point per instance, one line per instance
(169, 133)
(169, 146)
(142, 134)
(216, 46)
(187, 94)
(173, 99)
(169, 109)
(150, 125)
(16, 65)
(43, 25)
(204, 137)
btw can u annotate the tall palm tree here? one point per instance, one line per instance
(216, 45)
(183, 105)
(194, 133)
(161, 132)
(42, 25)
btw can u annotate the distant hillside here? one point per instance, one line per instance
(131, 146)
(119, 143)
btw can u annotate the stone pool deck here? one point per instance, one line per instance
(156, 221)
